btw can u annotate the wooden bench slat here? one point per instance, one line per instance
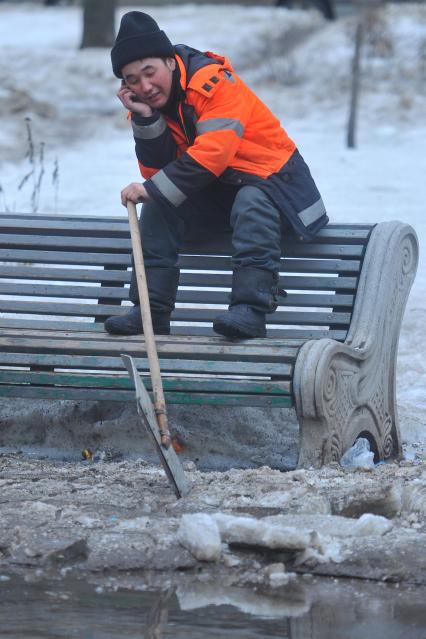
(123, 219)
(55, 274)
(85, 258)
(113, 224)
(204, 280)
(97, 327)
(100, 275)
(221, 242)
(205, 351)
(81, 227)
(295, 249)
(120, 217)
(66, 242)
(174, 384)
(276, 350)
(200, 295)
(62, 290)
(297, 282)
(101, 230)
(343, 235)
(64, 257)
(319, 266)
(49, 329)
(91, 362)
(60, 392)
(291, 300)
(321, 246)
(48, 324)
(66, 217)
(184, 296)
(326, 250)
(293, 264)
(338, 334)
(314, 318)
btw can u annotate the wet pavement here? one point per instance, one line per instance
(130, 606)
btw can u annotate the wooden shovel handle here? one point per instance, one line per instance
(151, 349)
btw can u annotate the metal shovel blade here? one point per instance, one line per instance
(168, 457)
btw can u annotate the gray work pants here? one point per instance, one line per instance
(255, 221)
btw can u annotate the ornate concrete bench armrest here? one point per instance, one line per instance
(346, 390)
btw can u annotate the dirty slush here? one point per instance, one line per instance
(122, 516)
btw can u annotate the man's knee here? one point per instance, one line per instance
(253, 205)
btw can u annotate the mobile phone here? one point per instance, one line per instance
(133, 96)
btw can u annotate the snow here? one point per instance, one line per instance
(297, 532)
(297, 62)
(199, 533)
(315, 537)
(278, 578)
(369, 524)
(265, 533)
(373, 528)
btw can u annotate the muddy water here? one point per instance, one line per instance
(108, 608)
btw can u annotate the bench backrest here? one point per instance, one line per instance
(70, 270)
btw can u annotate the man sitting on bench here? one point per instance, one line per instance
(212, 155)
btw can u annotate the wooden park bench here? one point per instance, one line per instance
(331, 347)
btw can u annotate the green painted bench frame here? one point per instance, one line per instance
(330, 351)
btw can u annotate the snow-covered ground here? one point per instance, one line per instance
(116, 517)
(296, 61)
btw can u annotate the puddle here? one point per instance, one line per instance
(125, 607)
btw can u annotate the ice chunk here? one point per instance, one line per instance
(278, 579)
(199, 533)
(414, 496)
(277, 576)
(254, 532)
(369, 524)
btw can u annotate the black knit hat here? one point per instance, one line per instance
(139, 36)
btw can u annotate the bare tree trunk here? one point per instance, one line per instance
(325, 6)
(98, 23)
(353, 110)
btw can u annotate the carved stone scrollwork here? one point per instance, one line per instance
(343, 390)
(388, 443)
(335, 446)
(338, 403)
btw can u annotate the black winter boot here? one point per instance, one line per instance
(254, 293)
(162, 287)
(131, 323)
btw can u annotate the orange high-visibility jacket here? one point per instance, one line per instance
(221, 130)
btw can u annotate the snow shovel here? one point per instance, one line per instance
(169, 459)
(154, 417)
